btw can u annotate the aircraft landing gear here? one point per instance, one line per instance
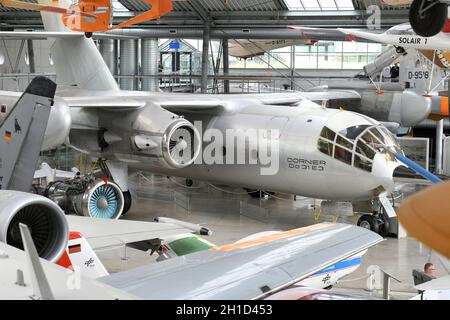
(189, 183)
(400, 50)
(428, 17)
(88, 34)
(369, 222)
(377, 222)
(126, 202)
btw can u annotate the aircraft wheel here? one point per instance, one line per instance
(369, 222)
(431, 22)
(400, 50)
(88, 34)
(127, 202)
(189, 183)
(384, 225)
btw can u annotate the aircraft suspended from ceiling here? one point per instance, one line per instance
(90, 16)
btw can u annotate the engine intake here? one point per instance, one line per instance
(181, 144)
(46, 221)
(87, 197)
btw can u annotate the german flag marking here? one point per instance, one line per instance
(8, 136)
(75, 248)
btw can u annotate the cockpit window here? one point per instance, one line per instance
(326, 147)
(358, 145)
(370, 138)
(365, 150)
(343, 155)
(344, 142)
(363, 163)
(327, 133)
(378, 134)
(353, 132)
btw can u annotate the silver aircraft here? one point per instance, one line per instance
(281, 143)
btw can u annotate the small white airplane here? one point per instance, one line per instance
(427, 17)
(403, 36)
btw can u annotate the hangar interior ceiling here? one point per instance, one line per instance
(239, 14)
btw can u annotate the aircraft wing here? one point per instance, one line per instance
(42, 35)
(105, 233)
(353, 35)
(247, 270)
(442, 283)
(328, 34)
(62, 282)
(332, 95)
(104, 102)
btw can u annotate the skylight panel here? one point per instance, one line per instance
(324, 5)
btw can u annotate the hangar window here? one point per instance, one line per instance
(363, 163)
(325, 147)
(343, 155)
(327, 133)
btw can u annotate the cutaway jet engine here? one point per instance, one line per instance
(87, 196)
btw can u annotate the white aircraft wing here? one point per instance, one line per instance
(353, 34)
(328, 34)
(246, 270)
(332, 95)
(104, 102)
(442, 283)
(63, 283)
(42, 35)
(105, 233)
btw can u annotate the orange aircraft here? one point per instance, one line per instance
(90, 16)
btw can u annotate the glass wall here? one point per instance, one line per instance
(322, 55)
(338, 55)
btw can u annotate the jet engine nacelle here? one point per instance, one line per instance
(384, 60)
(59, 124)
(152, 134)
(48, 225)
(173, 140)
(87, 197)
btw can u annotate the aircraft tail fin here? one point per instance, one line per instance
(77, 61)
(22, 134)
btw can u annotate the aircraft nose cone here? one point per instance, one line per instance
(414, 107)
